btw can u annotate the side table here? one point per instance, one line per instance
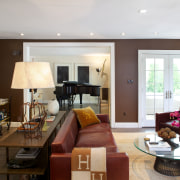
(14, 139)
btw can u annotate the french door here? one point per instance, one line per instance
(159, 84)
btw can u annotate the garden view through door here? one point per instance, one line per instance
(161, 77)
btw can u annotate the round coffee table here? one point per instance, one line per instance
(167, 162)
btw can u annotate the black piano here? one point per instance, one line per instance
(70, 89)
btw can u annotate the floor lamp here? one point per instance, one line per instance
(32, 75)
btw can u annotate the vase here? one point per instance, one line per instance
(53, 107)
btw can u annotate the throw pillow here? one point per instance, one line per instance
(86, 116)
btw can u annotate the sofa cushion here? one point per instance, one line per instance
(101, 127)
(86, 116)
(97, 139)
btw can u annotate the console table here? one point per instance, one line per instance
(14, 139)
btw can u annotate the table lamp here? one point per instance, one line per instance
(32, 75)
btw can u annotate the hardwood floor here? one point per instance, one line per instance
(147, 130)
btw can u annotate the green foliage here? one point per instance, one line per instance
(155, 81)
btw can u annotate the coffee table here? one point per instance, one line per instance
(167, 162)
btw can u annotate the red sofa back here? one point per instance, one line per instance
(66, 138)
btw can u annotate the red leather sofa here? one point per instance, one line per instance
(96, 135)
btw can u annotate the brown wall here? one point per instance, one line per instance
(8, 57)
(126, 63)
(126, 67)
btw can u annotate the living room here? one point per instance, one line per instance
(124, 109)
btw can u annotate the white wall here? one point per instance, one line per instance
(96, 78)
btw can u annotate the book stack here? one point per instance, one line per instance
(158, 146)
(50, 118)
(28, 153)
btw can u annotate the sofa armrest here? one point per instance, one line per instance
(162, 117)
(104, 118)
(117, 166)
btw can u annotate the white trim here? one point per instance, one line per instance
(126, 125)
(163, 52)
(112, 85)
(26, 55)
(141, 88)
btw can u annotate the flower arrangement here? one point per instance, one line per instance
(175, 115)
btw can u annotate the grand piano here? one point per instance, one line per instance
(70, 89)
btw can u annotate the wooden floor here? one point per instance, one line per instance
(147, 130)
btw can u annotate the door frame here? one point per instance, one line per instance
(140, 78)
(26, 57)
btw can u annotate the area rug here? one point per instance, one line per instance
(140, 164)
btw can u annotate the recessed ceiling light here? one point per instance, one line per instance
(123, 34)
(21, 34)
(58, 34)
(91, 34)
(155, 33)
(143, 11)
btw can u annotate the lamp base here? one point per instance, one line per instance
(34, 118)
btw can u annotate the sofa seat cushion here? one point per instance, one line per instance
(97, 139)
(102, 127)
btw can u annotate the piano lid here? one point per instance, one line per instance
(76, 83)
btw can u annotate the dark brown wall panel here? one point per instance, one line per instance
(126, 64)
(10, 52)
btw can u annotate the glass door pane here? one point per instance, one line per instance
(154, 87)
(174, 93)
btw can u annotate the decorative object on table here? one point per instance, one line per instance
(166, 133)
(5, 113)
(175, 123)
(32, 75)
(53, 107)
(159, 146)
(28, 153)
(21, 163)
(25, 158)
(50, 118)
(175, 115)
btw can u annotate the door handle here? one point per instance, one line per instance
(166, 94)
(170, 93)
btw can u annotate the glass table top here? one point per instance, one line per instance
(174, 154)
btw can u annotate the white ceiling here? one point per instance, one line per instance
(75, 19)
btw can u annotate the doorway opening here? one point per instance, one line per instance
(39, 51)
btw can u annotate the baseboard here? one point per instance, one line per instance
(125, 125)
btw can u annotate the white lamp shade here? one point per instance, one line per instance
(32, 75)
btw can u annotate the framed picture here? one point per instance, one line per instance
(82, 73)
(63, 72)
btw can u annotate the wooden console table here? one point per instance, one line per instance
(14, 139)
